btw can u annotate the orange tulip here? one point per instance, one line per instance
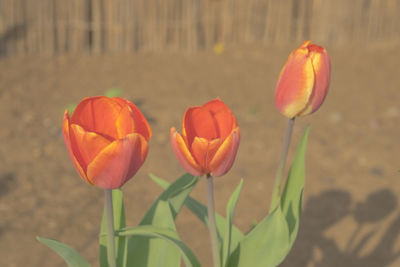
(209, 141)
(107, 140)
(304, 80)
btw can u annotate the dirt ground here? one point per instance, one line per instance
(351, 211)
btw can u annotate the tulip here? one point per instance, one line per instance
(304, 80)
(107, 140)
(209, 141)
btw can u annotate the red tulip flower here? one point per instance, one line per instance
(304, 80)
(209, 141)
(107, 140)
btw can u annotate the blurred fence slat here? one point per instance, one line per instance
(102, 26)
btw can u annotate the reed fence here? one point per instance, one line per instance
(97, 26)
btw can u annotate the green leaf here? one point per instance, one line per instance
(166, 234)
(176, 194)
(119, 222)
(270, 241)
(143, 251)
(227, 247)
(155, 252)
(70, 256)
(161, 182)
(292, 196)
(200, 211)
(71, 108)
(113, 92)
(265, 245)
(161, 252)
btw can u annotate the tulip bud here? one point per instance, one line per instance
(209, 141)
(107, 140)
(304, 80)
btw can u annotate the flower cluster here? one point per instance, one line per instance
(107, 139)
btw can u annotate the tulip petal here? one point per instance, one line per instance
(86, 145)
(97, 114)
(225, 156)
(322, 70)
(225, 121)
(118, 162)
(125, 122)
(295, 84)
(203, 151)
(216, 106)
(305, 44)
(183, 154)
(141, 125)
(67, 140)
(199, 122)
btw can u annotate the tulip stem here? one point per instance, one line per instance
(110, 228)
(281, 165)
(211, 221)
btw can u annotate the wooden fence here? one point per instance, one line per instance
(97, 26)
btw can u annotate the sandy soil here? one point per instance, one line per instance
(351, 212)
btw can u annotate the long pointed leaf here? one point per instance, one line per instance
(166, 234)
(70, 256)
(292, 195)
(200, 211)
(227, 247)
(176, 194)
(265, 245)
(143, 251)
(160, 252)
(269, 242)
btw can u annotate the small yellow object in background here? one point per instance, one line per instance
(219, 48)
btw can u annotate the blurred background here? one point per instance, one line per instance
(168, 55)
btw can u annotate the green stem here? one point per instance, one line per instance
(110, 228)
(211, 221)
(281, 165)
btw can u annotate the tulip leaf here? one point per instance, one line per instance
(166, 235)
(176, 194)
(161, 252)
(270, 241)
(71, 108)
(265, 245)
(119, 222)
(70, 256)
(292, 196)
(152, 251)
(200, 211)
(145, 251)
(113, 92)
(227, 247)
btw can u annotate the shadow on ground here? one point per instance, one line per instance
(327, 209)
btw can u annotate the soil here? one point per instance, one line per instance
(351, 211)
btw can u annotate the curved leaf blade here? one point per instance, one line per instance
(176, 193)
(145, 251)
(70, 256)
(292, 196)
(228, 246)
(265, 245)
(160, 252)
(166, 234)
(269, 242)
(200, 211)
